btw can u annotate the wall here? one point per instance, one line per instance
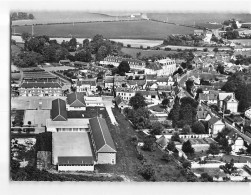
(76, 168)
(106, 158)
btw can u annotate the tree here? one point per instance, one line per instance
(149, 143)
(186, 129)
(138, 54)
(187, 147)
(186, 165)
(198, 91)
(29, 123)
(21, 123)
(213, 149)
(198, 128)
(31, 17)
(13, 123)
(49, 53)
(183, 65)
(123, 68)
(215, 49)
(205, 50)
(205, 177)
(165, 102)
(171, 146)
(220, 68)
(72, 44)
(28, 59)
(174, 114)
(102, 53)
(189, 86)
(137, 101)
(175, 137)
(249, 149)
(83, 56)
(157, 128)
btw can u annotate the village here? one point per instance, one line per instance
(106, 116)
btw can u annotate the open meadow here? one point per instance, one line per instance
(145, 53)
(112, 30)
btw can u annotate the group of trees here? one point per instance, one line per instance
(40, 49)
(183, 112)
(222, 141)
(183, 40)
(21, 16)
(242, 60)
(237, 84)
(123, 68)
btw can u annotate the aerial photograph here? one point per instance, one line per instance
(130, 96)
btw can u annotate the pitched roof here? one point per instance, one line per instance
(58, 110)
(223, 95)
(101, 135)
(40, 85)
(151, 77)
(163, 79)
(118, 100)
(202, 114)
(136, 82)
(76, 99)
(213, 120)
(162, 141)
(86, 82)
(75, 160)
(147, 92)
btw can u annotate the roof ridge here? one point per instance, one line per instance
(101, 130)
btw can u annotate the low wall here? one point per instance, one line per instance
(214, 165)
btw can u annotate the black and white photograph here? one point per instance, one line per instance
(154, 91)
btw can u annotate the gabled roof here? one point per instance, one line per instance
(58, 110)
(202, 114)
(101, 135)
(76, 99)
(75, 160)
(147, 92)
(118, 100)
(213, 120)
(163, 79)
(230, 97)
(86, 82)
(223, 95)
(40, 85)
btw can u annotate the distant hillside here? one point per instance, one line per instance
(44, 17)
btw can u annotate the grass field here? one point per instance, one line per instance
(145, 53)
(112, 30)
(242, 41)
(45, 17)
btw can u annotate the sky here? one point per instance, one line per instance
(243, 6)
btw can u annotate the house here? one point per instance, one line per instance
(198, 32)
(109, 83)
(149, 95)
(235, 141)
(125, 93)
(163, 80)
(64, 62)
(248, 113)
(209, 98)
(136, 84)
(39, 76)
(215, 125)
(86, 85)
(120, 102)
(222, 95)
(204, 115)
(116, 60)
(40, 89)
(150, 85)
(230, 103)
(161, 67)
(151, 77)
(72, 151)
(162, 142)
(103, 145)
(119, 81)
(75, 101)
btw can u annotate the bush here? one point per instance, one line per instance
(128, 45)
(166, 157)
(148, 172)
(186, 165)
(205, 177)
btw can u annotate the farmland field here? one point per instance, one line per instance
(44, 17)
(112, 30)
(145, 53)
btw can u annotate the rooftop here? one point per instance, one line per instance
(71, 144)
(101, 135)
(40, 85)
